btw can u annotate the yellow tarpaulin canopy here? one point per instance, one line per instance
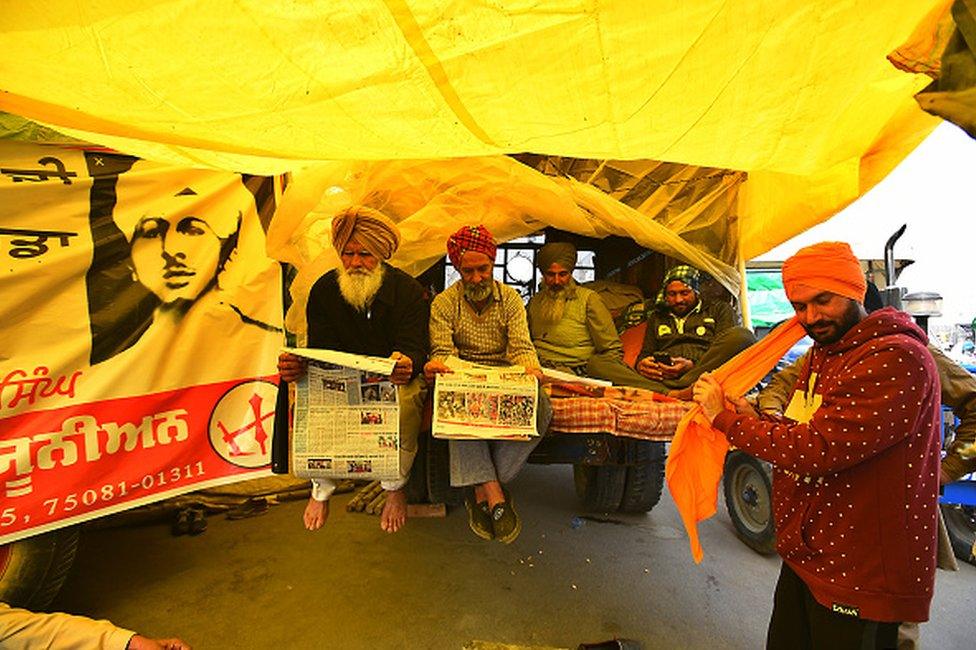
(798, 95)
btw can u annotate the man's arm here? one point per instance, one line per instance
(23, 629)
(529, 308)
(441, 329)
(776, 395)
(520, 349)
(725, 317)
(321, 333)
(858, 419)
(411, 337)
(959, 394)
(603, 333)
(649, 346)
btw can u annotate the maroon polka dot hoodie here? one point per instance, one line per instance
(856, 485)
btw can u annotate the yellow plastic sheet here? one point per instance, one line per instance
(798, 94)
(431, 199)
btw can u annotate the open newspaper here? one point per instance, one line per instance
(347, 417)
(482, 402)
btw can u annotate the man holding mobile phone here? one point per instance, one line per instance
(687, 335)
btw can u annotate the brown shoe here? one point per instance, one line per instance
(479, 519)
(505, 522)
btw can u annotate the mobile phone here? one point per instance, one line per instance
(662, 357)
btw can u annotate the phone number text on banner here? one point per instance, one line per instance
(62, 466)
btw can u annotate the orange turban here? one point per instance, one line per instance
(827, 266)
(371, 228)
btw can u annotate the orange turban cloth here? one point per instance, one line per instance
(371, 228)
(827, 266)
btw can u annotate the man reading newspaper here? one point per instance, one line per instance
(481, 320)
(369, 307)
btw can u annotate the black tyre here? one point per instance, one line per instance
(645, 480)
(32, 570)
(960, 523)
(747, 483)
(600, 487)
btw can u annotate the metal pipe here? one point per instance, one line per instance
(889, 256)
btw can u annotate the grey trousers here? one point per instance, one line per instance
(479, 461)
(724, 346)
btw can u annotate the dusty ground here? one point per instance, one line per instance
(267, 583)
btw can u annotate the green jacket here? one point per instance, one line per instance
(688, 337)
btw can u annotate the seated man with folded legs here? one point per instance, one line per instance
(483, 321)
(687, 335)
(571, 327)
(369, 307)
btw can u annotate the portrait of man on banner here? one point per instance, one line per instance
(196, 272)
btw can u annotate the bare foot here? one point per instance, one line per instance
(493, 493)
(480, 496)
(316, 512)
(394, 511)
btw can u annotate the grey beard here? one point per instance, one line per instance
(552, 304)
(358, 288)
(478, 292)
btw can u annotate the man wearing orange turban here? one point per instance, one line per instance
(856, 459)
(371, 308)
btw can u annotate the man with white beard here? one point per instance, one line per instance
(369, 307)
(571, 327)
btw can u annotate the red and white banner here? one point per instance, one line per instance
(139, 328)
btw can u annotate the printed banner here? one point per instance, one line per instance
(484, 402)
(72, 464)
(347, 417)
(139, 330)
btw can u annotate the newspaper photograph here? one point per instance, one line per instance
(479, 402)
(346, 419)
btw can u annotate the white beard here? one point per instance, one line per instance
(359, 287)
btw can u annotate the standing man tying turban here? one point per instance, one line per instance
(571, 327)
(481, 320)
(369, 307)
(686, 335)
(856, 459)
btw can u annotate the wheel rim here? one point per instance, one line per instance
(751, 498)
(963, 517)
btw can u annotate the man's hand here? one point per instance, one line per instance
(678, 367)
(139, 642)
(402, 370)
(745, 407)
(650, 368)
(535, 372)
(658, 371)
(435, 367)
(709, 394)
(291, 367)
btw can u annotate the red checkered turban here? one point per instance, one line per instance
(470, 238)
